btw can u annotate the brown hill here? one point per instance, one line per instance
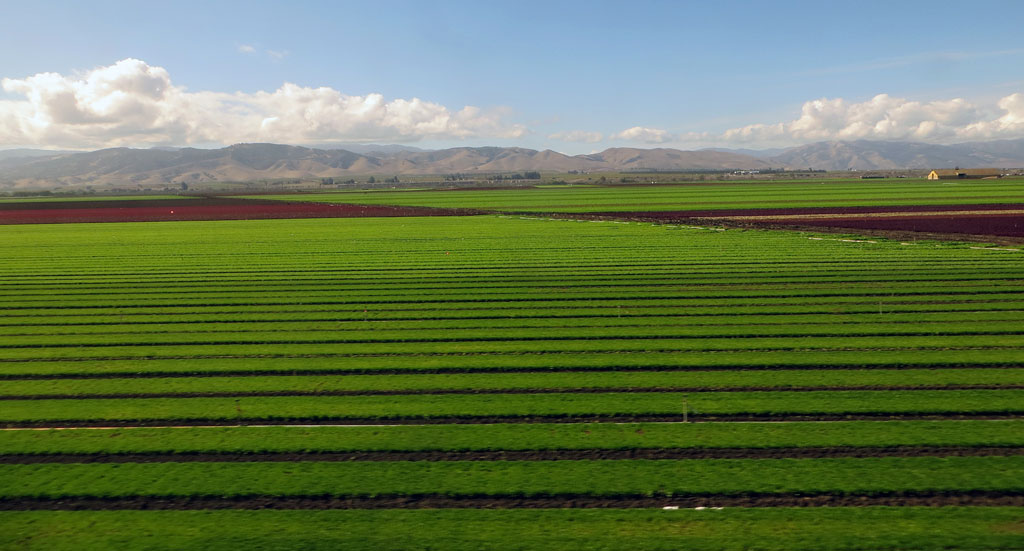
(627, 158)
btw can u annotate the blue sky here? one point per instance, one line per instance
(535, 74)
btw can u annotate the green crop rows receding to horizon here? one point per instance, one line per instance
(518, 319)
(697, 196)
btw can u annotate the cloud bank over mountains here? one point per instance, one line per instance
(132, 103)
(884, 117)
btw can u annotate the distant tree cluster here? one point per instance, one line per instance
(48, 193)
(530, 175)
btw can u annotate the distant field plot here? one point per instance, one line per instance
(694, 196)
(90, 198)
(514, 363)
(894, 207)
(156, 208)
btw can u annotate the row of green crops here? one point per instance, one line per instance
(381, 335)
(634, 477)
(639, 380)
(569, 405)
(151, 365)
(561, 436)
(840, 529)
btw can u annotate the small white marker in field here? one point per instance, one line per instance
(671, 508)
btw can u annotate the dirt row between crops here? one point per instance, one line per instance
(564, 501)
(518, 455)
(499, 419)
(444, 391)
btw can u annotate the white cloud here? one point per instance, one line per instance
(277, 54)
(246, 49)
(884, 117)
(577, 136)
(644, 134)
(132, 103)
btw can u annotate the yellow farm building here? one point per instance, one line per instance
(964, 173)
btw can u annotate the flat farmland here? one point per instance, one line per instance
(695, 196)
(898, 207)
(541, 382)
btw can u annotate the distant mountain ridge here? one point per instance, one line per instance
(250, 162)
(872, 155)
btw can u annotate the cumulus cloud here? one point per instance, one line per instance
(246, 49)
(884, 117)
(644, 134)
(581, 136)
(132, 103)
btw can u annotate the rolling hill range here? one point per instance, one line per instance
(158, 167)
(870, 155)
(248, 162)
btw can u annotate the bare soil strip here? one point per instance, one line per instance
(520, 455)
(489, 420)
(443, 391)
(562, 501)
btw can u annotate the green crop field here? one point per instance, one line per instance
(512, 382)
(696, 196)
